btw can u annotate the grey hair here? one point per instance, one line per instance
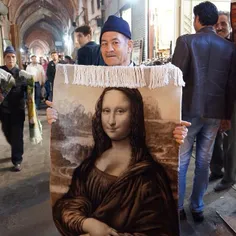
(225, 13)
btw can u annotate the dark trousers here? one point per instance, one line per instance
(37, 95)
(224, 154)
(219, 153)
(13, 128)
(47, 88)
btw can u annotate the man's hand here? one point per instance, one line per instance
(225, 125)
(181, 131)
(97, 228)
(52, 114)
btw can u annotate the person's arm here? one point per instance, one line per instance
(49, 72)
(230, 97)
(181, 57)
(231, 88)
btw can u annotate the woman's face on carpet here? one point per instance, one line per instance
(116, 115)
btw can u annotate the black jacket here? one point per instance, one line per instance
(89, 54)
(14, 102)
(51, 70)
(208, 65)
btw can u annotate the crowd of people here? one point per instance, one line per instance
(207, 60)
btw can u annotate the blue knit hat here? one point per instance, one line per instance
(9, 49)
(116, 24)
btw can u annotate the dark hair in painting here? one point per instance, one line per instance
(137, 126)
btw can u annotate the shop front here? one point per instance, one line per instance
(169, 19)
(161, 31)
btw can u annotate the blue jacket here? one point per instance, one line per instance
(90, 54)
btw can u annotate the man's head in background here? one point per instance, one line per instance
(68, 59)
(83, 34)
(222, 26)
(10, 57)
(33, 59)
(54, 56)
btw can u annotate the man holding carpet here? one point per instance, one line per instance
(116, 49)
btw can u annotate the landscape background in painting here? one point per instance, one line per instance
(72, 141)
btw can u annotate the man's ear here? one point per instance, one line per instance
(89, 37)
(130, 45)
(197, 19)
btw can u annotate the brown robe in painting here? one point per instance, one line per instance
(138, 203)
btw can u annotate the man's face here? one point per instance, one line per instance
(116, 49)
(34, 60)
(54, 56)
(222, 27)
(10, 60)
(82, 39)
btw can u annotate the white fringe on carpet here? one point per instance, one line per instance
(161, 76)
(120, 76)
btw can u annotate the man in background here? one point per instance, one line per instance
(89, 53)
(207, 62)
(224, 154)
(12, 110)
(39, 78)
(51, 71)
(222, 26)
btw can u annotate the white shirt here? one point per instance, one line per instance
(37, 71)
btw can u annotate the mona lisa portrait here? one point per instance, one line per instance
(118, 189)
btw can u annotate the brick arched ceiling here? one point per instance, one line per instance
(42, 22)
(43, 35)
(42, 31)
(44, 45)
(40, 48)
(43, 25)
